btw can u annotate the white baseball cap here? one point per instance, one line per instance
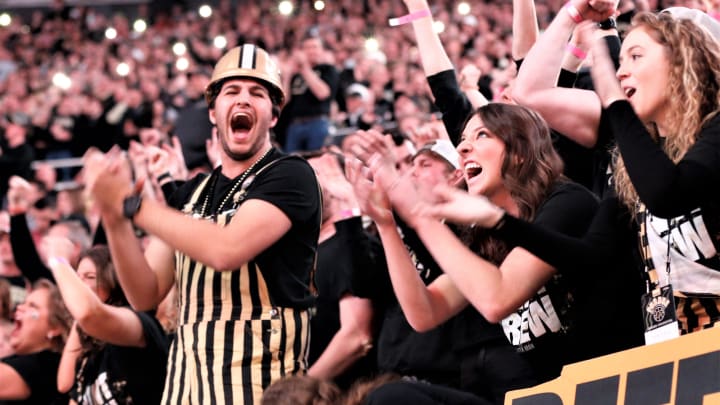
(442, 148)
(698, 17)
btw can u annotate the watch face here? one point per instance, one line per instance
(131, 205)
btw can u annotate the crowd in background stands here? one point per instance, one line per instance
(95, 105)
(66, 87)
(100, 107)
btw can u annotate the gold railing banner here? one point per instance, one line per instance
(681, 371)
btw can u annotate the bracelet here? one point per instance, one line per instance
(574, 13)
(55, 260)
(577, 52)
(350, 213)
(164, 176)
(408, 18)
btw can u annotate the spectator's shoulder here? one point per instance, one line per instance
(183, 193)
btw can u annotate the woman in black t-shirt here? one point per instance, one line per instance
(41, 327)
(506, 155)
(114, 354)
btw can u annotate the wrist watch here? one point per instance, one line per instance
(131, 205)
(608, 24)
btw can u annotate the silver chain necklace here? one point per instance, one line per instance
(233, 189)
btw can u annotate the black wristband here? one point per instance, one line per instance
(608, 24)
(131, 205)
(164, 176)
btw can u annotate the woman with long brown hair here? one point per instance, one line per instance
(506, 155)
(114, 354)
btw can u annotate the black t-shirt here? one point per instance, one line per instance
(125, 375)
(604, 269)
(290, 185)
(432, 355)
(543, 328)
(338, 257)
(39, 371)
(303, 102)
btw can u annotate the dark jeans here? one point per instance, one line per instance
(306, 135)
(493, 368)
(487, 372)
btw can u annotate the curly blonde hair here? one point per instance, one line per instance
(693, 94)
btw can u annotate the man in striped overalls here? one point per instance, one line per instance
(239, 245)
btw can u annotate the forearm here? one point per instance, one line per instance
(667, 188)
(317, 86)
(80, 300)
(257, 223)
(432, 54)
(68, 362)
(524, 28)
(479, 281)
(351, 342)
(137, 279)
(565, 253)
(572, 60)
(412, 294)
(475, 97)
(345, 348)
(542, 64)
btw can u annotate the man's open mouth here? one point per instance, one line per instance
(241, 122)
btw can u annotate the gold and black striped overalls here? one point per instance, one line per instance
(231, 341)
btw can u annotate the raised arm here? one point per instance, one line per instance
(145, 277)
(259, 222)
(524, 28)
(432, 54)
(441, 74)
(23, 246)
(573, 112)
(116, 325)
(668, 189)
(354, 338)
(469, 78)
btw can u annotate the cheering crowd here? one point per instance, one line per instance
(371, 202)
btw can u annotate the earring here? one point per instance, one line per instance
(50, 336)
